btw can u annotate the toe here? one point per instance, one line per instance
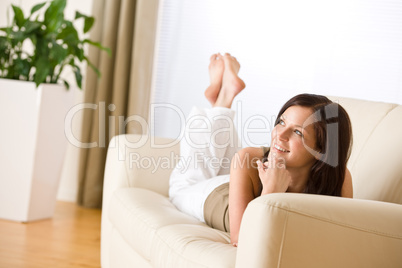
(213, 57)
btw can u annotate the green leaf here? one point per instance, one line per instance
(42, 70)
(69, 35)
(98, 45)
(88, 23)
(78, 76)
(57, 53)
(3, 43)
(37, 7)
(79, 15)
(22, 68)
(31, 26)
(66, 84)
(54, 15)
(18, 16)
(4, 52)
(6, 29)
(42, 47)
(96, 70)
(78, 52)
(17, 37)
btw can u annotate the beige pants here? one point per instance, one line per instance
(216, 208)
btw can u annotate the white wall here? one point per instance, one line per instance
(69, 178)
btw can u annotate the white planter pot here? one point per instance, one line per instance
(32, 148)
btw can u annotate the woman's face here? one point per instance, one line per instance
(291, 136)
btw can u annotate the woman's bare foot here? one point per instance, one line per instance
(216, 68)
(231, 82)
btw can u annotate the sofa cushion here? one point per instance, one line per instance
(375, 159)
(378, 173)
(189, 245)
(138, 213)
(365, 117)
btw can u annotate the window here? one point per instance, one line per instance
(341, 48)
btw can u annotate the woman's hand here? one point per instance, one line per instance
(273, 175)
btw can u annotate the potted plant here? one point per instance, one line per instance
(34, 100)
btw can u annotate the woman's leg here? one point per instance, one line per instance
(209, 144)
(216, 69)
(203, 163)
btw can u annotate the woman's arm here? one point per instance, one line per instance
(347, 188)
(245, 185)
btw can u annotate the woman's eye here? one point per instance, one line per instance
(281, 122)
(298, 132)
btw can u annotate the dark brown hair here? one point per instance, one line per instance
(333, 132)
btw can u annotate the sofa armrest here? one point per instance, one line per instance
(135, 161)
(140, 161)
(301, 230)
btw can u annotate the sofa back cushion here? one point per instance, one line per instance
(148, 160)
(376, 159)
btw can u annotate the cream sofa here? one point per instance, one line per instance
(141, 228)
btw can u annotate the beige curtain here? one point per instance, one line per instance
(128, 28)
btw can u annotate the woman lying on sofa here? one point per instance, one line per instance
(307, 155)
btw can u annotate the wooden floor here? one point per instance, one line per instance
(70, 239)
